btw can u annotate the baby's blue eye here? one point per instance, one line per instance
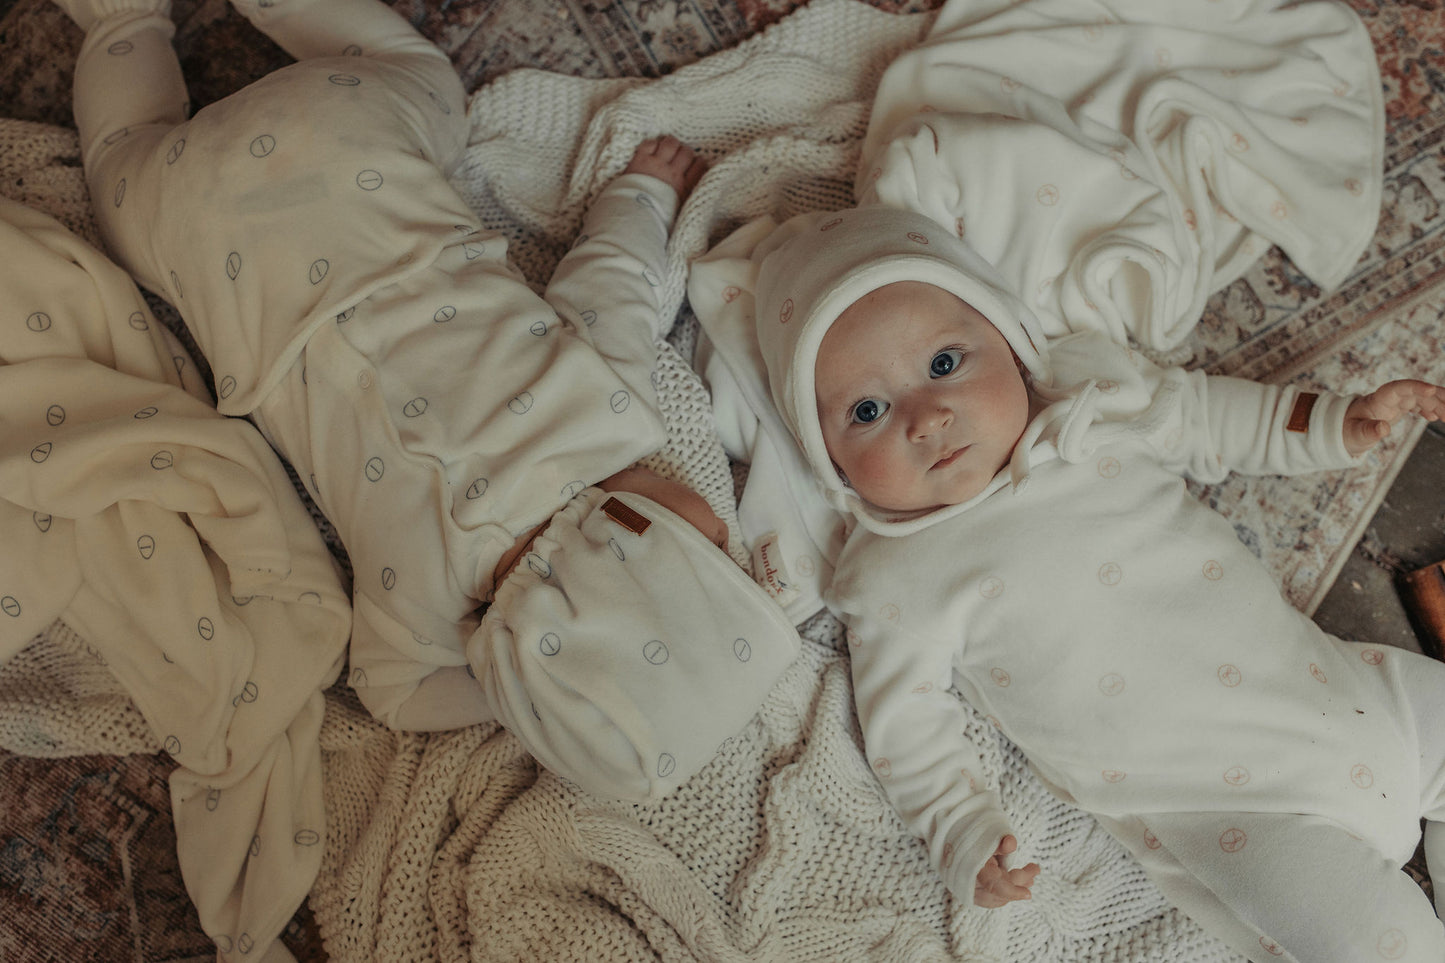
(867, 411)
(945, 363)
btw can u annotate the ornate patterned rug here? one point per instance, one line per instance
(87, 851)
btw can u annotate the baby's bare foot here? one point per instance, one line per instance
(670, 161)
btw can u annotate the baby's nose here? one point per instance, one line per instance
(928, 420)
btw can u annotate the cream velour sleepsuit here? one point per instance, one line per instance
(1269, 776)
(436, 407)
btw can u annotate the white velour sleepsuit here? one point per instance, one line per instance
(1270, 777)
(433, 403)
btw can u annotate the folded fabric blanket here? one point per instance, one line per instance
(169, 544)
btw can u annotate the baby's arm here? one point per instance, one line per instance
(609, 287)
(1370, 417)
(913, 729)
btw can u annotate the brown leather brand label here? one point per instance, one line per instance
(633, 521)
(1299, 418)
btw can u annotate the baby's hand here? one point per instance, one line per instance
(997, 886)
(1369, 418)
(670, 161)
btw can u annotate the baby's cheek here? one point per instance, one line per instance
(878, 473)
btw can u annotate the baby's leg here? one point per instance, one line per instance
(128, 95)
(1291, 888)
(127, 78)
(308, 29)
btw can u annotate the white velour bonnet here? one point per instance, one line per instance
(815, 265)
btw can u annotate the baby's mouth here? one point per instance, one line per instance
(950, 458)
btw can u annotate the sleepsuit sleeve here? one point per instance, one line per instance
(1201, 425)
(1231, 424)
(913, 734)
(609, 286)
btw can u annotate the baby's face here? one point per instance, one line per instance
(920, 398)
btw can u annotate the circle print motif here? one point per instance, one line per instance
(1270, 946)
(345, 80)
(55, 416)
(227, 385)
(883, 767)
(138, 321)
(1361, 776)
(41, 451)
(655, 652)
(1372, 656)
(375, 468)
(1213, 570)
(1114, 776)
(1230, 675)
(415, 408)
(1319, 674)
(1392, 945)
(205, 628)
(38, 322)
(388, 578)
(550, 644)
(785, 313)
(666, 765)
(1233, 840)
(1111, 684)
(1047, 195)
(262, 146)
(742, 650)
(917, 238)
(1110, 573)
(619, 401)
(10, 606)
(1236, 776)
(521, 404)
(162, 460)
(119, 192)
(146, 545)
(233, 265)
(1109, 467)
(369, 180)
(317, 272)
(1000, 677)
(174, 154)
